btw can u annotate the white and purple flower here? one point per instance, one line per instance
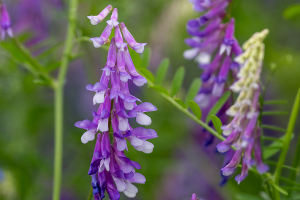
(110, 169)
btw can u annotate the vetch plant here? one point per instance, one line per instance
(110, 169)
(230, 91)
(243, 132)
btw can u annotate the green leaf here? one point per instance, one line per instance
(193, 90)
(52, 66)
(268, 152)
(136, 59)
(271, 102)
(14, 51)
(289, 181)
(145, 72)
(162, 70)
(280, 189)
(146, 58)
(284, 166)
(275, 128)
(196, 109)
(50, 50)
(160, 89)
(218, 105)
(274, 113)
(217, 123)
(180, 102)
(291, 11)
(177, 81)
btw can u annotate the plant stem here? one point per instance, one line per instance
(189, 114)
(90, 194)
(58, 102)
(286, 142)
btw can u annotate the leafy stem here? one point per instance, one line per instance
(287, 140)
(188, 113)
(58, 101)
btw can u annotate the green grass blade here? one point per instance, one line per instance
(177, 81)
(288, 137)
(162, 71)
(274, 102)
(275, 128)
(274, 113)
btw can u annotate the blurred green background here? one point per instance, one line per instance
(179, 164)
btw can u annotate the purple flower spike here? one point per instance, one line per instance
(124, 76)
(229, 40)
(96, 157)
(221, 78)
(138, 112)
(91, 128)
(129, 100)
(110, 169)
(260, 166)
(116, 88)
(229, 169)
(99, 18)
(122, 115)
(194, 197)
(138, 47)
(5, 22)
(119, 39)
(138, 80)
(104, 115)
(226, 144)
(103, 39)
(114, 19)
(112, 54)
(201, 6)
(111, 189)
(217, 10)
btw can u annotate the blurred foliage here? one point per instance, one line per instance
(179, 165)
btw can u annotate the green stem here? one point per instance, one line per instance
(286, 142)
(189, 114)
(90, 194)
(58, 102)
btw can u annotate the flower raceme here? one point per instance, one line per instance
(110, 169)
(212, 37)
(5, 22)
(214, 48)
(243, 132)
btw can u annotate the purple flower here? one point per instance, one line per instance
(110, 169)
(194, 197)
(242, 131)
(138, 47)
(5, 22)
(210, 39)
(99, 18)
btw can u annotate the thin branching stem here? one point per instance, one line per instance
(58, 101)
(287, 140)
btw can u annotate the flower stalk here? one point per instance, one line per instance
(58, 100)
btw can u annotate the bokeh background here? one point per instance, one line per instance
(180, 164)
